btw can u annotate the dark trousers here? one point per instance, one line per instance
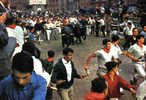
(1, 78)
(97, 28)
(103, 30)
(92, 29)
(49, 94)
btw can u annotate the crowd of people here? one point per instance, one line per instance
(25, 76)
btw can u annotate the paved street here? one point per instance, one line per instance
(81, 52)
(43, 22)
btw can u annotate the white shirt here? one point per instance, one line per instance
(101, 21)
(73, 20)
(103, 57)
(116, 50)
(38, 68)
(53, 26)
(141, 91)
(91, 21)
(19, 33)
(10, 32)
(48, 26)
(58, 23)
(136, 51)
(102, 10)
(68, 68)
(33, 23)
(129, 31)
(125, 25)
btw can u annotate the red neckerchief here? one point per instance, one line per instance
(17, 45)
(106, 50)
(50, 59)
(13, 26)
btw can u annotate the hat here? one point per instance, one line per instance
(110, 65)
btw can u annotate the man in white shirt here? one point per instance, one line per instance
(103, 55)
(73, 20)
(58, 25)
(102, 26)
(92, 23)
(129, 28)
(141, 91)
(124, 25)
(137, 52)
(54, 32)
(48, 29)
(115, 48)
(19, 34)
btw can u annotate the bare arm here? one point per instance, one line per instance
(88, 60)
(130, 56)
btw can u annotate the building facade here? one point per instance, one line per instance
(55, 5)
(19, 4)
(67, 4)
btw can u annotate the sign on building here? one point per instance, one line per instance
(36, 2)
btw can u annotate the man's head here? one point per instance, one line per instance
(115, 38)
(3, 17)
(129, 25)
(30, 48)
(68, 52)
(99, 85)
(126, 19)
(51, 53)
(22, 67)
(144, 28)
(106, 43)
(135, 32)
(10, 21)
(140, 39)
(112, 67)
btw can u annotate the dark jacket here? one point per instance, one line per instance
(129, 41)
(3, 36)
(59, 73)
(48, 66)
(5, 64)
